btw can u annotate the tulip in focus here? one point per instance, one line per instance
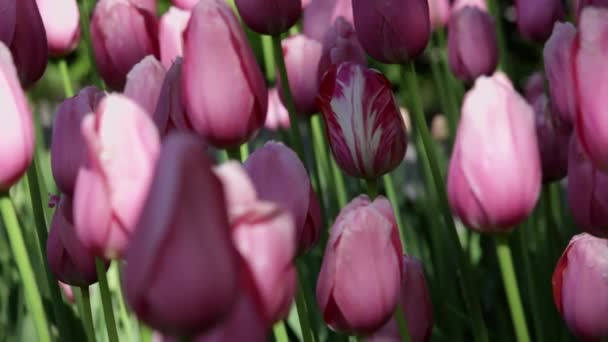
(365, 130)
(169, 113)
(171, 28)
(494, 175)
(535, 18)
(321, 15)
(277, 116)
(62, 25)
(553, 141)
(271, 17)
(340, 44)
(17, 129)
(227, 109)
(580, 290)
(144, 84)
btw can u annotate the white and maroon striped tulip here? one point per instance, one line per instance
(365, 129)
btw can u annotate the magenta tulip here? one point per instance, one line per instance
(123, 145)
(340, 44)
(271, 17)
(320, 15)
(365, 130)
(182, 274)
(169, 113)
(62, 25)
(7, 21)
(144, 84)
(535, 18)
(227, 109)
(17, 129)
(185, 4)
(122, 34)
(277, 116)
(358, 286)
(534, 87)
(580, 290)
(171, 28)
(494, 176)
(553, 141)
(68, 148)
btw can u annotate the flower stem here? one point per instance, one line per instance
(87, 315)
(280, 333)
(85, 14)
(24, 266)
(106, 300)
(302, 309)
(340, 183)
(372, 188)
(402, 323)
(244, 152)
(234, 153)
(410, 244)
(65, 76)
(496, 11)
(503, 252)
(268, 58)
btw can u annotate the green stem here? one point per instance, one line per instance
(24, 266)
(234, 153)
(268, 57)
(320, 181)
(244, 152)
(106, 300)
(533, 296)
(122, 308)
(302, 309)
(65, 76)
(280, 332)
(442, 91)
(408, 244)
(87, 314)
(509, 278)
(402, 323)
(495, 9)
(372, 188)
(85, 14)
(340, 183)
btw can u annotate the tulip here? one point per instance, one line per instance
(358, 286)
(149, 5)
(185, 4)
(170, 34)
(68, 259)
(416, 304)
(302, 55)
(169, 112)
(580, 289)
(559, 65)
(288, 187)
(340, 44)
(494, 175)
(439, 13)
(277, 115)
(553, 141)
(227, 109)
(62, 25)
(122, 34)
(364, 126)
(535, 18)
(460, 4)
(17, 129)
(581, 4)
(7, 21)
(184, 222)
(587, 192)
(393, 31)
(320, 15)
(472, 45)
(122, 143)
(68, 148)
(534, 87)
(68, 293)
(144, 83)
(271, 17)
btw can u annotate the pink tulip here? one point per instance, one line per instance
(169, 113)
(144, 84)
(534, 87)
(581, 4)
(149, 5)
(111, 187)
(17, 129)
(227, 109)
(68, 148)
(439, 13)
(271, 17)
(340, 44)
(460, 4)
(182, 272)
(320, 16)
(494, 176)
(579, 287)
(535, 18)
(68, 293)
(185, 4)
(62, 24)
(553, 141)
(277, 116)
(170, 34)
(289, 187)
(122, 34)
(364, 126)
(358, 286)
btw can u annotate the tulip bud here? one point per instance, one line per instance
(535, 18)
(68, 148)
(439, 13)
(494, 176)
(111, 187)
(184, 223)
(534, 87)
(358, 286)
(271, 17)
(302, 56)
(62, 25)
(553, 141)
(559, 65)
(320, 15)
(392, 31)
(122, 34)
(144, 83)
(17, 129)
(169, 112)
(68, 259)
(185, 4)
(277, 115)
(227, 109)
(580, 289)
(587, 192)
(472, 45)
(364, 126)
(340, 44)
(170, 34)
(416, 304)
(289, 187)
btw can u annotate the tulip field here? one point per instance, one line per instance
(303, 170)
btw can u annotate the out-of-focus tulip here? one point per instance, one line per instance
(17, 130)
(494, 176)
(68, 148)
(170, 34)
(535, 18)
(123, 145)
(340, 44)
(553, 141)
(416, 304)
(534, 86)
(62, 24)
(144, 84)
(271, 17)
(364, 126)
(170, 113)
(580, 290)
(363, 255)
(185, 4)
(289, 187)
(7, 21)
(149, 5)
(581, 4)
(68, 259)
(320, 15)
(559, 65)
(460, 4)
(587, 192)
(302, 55)
(393, 31)
(122, 34)
(472, 45)
(439, 13)
(227, 109)
(277, 115)
(184, 222)
(68, 293)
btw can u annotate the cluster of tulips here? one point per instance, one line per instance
(153, 171)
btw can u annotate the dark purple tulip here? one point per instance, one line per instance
(553, 141)
(535, 18)
(320, 15)
(271, 17)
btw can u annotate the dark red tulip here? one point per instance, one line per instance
(270, 17)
